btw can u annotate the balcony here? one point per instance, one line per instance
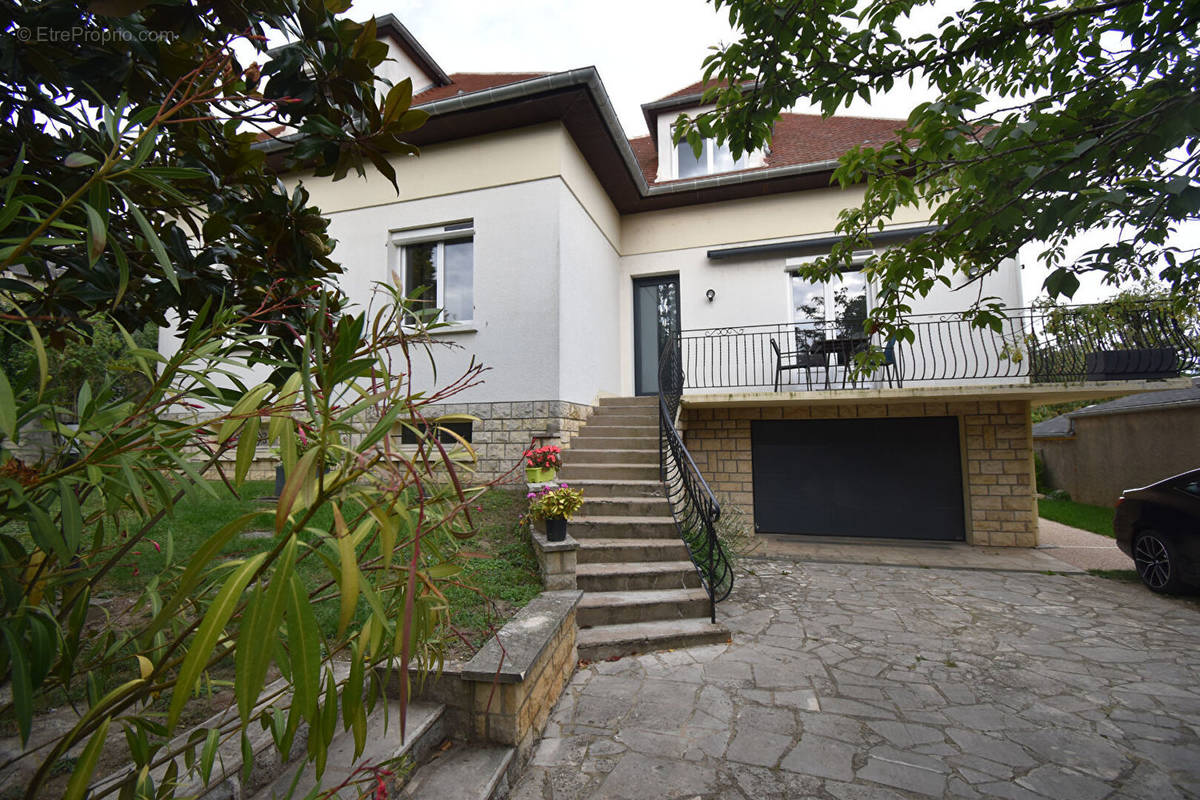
(1073, 351)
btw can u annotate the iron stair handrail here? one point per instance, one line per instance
(694, 507)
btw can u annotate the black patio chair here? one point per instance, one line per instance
(797, 360)
(891, 363)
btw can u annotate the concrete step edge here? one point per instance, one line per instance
(634, 568)
(605, 641)
(635, 597)
(465, 772)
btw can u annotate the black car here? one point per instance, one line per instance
(1159, 527)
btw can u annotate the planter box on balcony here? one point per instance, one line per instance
(1131, 365)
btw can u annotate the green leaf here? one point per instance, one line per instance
(97, 238)
(249, 402)
(86, 765)
(208, 753)
(76, 160)
(247, 446)
(207, 635)
(156, 245)
(8, 408)
(264, 614)
(39, 351)
(21, 683)
(300, 477)
(305, 647)
(72, 517)
(349, 578)
(398, 100)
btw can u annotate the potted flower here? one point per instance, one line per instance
(555, 506)
(542, 463)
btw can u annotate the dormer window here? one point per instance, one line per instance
(714, 158)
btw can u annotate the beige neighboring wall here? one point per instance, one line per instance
(1113, 452)
(754, 219)
(996, 440)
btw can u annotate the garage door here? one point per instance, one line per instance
(890, 478)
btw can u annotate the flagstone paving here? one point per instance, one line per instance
(852, 681)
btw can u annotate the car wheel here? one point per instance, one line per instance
(1157, 562)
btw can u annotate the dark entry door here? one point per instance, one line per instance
(655, 317)
(890, 478)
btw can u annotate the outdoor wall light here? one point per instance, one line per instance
(710, 294)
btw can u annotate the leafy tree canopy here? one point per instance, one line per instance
(1052, 118)
(130, 132)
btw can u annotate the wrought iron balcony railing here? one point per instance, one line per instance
(1066, 344)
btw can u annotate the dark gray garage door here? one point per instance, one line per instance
(895, 478)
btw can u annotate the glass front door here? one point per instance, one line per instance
(655, 317)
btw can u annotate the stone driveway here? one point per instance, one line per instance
(852, 681)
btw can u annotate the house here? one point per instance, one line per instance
(566, 255)
(1098, 451)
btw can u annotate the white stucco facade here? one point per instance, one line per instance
(554, 261)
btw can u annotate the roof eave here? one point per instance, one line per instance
(587, 79)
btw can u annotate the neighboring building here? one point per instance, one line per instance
(1096, 452)
(565, 253)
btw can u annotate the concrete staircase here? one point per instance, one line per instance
(641, 591)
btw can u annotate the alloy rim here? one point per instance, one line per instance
(1152, 562)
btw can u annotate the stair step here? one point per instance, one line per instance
(607, 641)
(635, 415)
(597, 427)
(612, 455)
(650, 401)
(621, 507)
(610, 551)
(464, 772)
(597, 527)
(637, 576)
(600, 487)
(623, 608)
(572, 471)
(596, 440)
(424, 729)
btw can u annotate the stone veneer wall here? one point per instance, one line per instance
(502, 435)
(505, 694)
(505, 430)
(997, 449)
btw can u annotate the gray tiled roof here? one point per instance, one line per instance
(1053, 427)
(1145, 400)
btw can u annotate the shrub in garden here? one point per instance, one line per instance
(135, 192)
(559, 503)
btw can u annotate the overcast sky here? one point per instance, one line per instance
(643, 49)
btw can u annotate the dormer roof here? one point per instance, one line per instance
(387, 25)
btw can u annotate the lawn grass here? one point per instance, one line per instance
(1097, 519)
(494, 586)
(500, 579)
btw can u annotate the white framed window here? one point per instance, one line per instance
(437, 265)
(714, 158)
(838, 306)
